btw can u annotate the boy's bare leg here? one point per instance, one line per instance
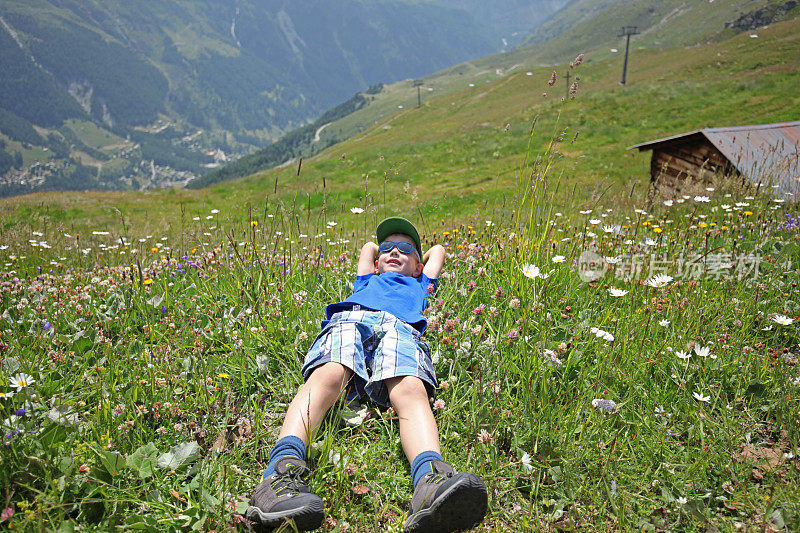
(283, 494)
(313, 399)
(447, 500)
(418, 430)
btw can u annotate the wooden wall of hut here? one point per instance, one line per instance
(686, 166)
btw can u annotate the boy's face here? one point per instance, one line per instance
(395, 261)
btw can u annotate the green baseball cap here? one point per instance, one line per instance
(393, 225)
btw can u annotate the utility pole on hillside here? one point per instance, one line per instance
(566, 92)
(418, 84)
(626, 32)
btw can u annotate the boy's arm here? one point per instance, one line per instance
(434, 261)
(366, 261)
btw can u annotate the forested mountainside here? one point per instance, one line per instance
(140, 94)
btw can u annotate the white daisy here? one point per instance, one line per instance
(783, 320)
(602, 334)
(356, 210)
(527, 464)
(683, 355)
(558, 259)
(532, 271)
(663, 323)
(21, 381)
(617, 293)
(659, 280)
(704, 351)
(700, 397)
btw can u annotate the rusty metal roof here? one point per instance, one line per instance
(768, 154)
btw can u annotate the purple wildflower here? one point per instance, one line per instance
(609, 406)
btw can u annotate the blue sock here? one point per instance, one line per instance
(421, 465)
(290, 446)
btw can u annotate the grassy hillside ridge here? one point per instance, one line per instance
(454, 153)
(595, 24)
(661, 24)
(588, 27)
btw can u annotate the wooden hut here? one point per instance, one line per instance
(765, 156)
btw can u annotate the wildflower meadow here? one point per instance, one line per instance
(601, 368)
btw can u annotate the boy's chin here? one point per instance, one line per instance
(396, 270)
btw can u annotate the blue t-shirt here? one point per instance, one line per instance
(403, 296)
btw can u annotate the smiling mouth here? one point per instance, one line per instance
(393, 262)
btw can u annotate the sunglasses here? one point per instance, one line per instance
(402, 247)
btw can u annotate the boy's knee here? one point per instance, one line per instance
(403, 387)
(332, 374)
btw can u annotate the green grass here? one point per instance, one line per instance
(168, 320)
(160, 368)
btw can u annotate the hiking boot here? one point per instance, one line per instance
(284, 496)
(446, 500)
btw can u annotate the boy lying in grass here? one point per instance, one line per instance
(370, 345)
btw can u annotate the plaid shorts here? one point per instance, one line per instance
(376, 346)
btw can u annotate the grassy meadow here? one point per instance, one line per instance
(605, 363)
(464, 149)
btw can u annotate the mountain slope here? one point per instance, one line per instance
(156, 72)
(509, 21)
(673, 21)
(462, 154)
(594, 25)
(252, 66)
